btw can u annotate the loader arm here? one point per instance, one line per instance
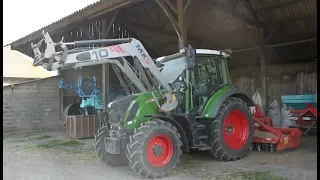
(115, 53)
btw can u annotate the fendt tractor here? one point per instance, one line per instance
(174, 104)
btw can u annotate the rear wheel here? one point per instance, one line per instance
(232, 130)
(154, 149)
(105, 157)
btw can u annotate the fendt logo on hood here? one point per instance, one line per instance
(143, 54)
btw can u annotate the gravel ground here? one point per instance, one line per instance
(25, 157)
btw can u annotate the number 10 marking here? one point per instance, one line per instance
(99, 54)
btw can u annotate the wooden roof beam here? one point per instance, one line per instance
(292, 43)
(281, 5)
(170, 17)
(186, 6)
(156, 29)
(272, 33)
(304, 58)
(153, 29)
(107, 32)
(292, 19)
(277, 45)
(233, 5)
(262, 28)
(252, 11)
(147, 13)
(171, 6)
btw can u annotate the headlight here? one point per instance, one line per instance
(133, 112)
(114, 116)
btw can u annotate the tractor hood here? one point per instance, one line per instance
(117, 109)
(125, 108)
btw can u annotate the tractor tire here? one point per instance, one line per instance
(232, 130)
(154, 149)
(105, 157)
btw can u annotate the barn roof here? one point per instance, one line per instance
(289, 26)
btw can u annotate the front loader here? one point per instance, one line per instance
(183, 101)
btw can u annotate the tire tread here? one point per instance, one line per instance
(217, 149)
(135, 147)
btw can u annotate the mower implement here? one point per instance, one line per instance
(185, 101)
(269, 138)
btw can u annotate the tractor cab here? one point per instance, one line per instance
(196, 79)
(209, 74)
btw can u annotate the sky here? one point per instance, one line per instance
(22, 17)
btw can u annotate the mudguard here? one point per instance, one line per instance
(164, 117)
(219, 96)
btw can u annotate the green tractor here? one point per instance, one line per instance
(151, 130)
(183, 102)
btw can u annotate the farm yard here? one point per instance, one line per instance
(50, 156)
(172, 89)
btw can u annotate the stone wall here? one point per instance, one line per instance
(10, 80)
(32, 105)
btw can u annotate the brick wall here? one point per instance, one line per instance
(32, 106)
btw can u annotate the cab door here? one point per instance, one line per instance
(208, 74)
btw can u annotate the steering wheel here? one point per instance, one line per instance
(204, 89)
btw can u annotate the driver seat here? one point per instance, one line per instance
(201, 95)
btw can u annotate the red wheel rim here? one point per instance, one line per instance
(236, 130)
(159, 150)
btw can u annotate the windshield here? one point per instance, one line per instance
(171, 70)
(210, 70)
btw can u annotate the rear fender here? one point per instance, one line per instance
(217, 99)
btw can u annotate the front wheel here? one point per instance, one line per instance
(105, 157)
(232, 130)
(154, 149)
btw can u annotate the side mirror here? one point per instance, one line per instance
(181, 79)
(183, 85)
(191, 57)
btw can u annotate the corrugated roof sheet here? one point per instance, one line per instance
(76, 16)
(66, 17)
(211, 26)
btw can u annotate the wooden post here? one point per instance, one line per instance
(61, 108)
(263, 66)
(181, 24)
(105, 85)
(105, 72)
(165, 5)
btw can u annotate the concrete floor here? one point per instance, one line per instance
(24, 160)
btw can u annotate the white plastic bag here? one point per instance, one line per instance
(273, 112)
(257, 100)
(287, 117)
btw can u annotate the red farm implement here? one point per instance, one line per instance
(306, 117)
(270, 138)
